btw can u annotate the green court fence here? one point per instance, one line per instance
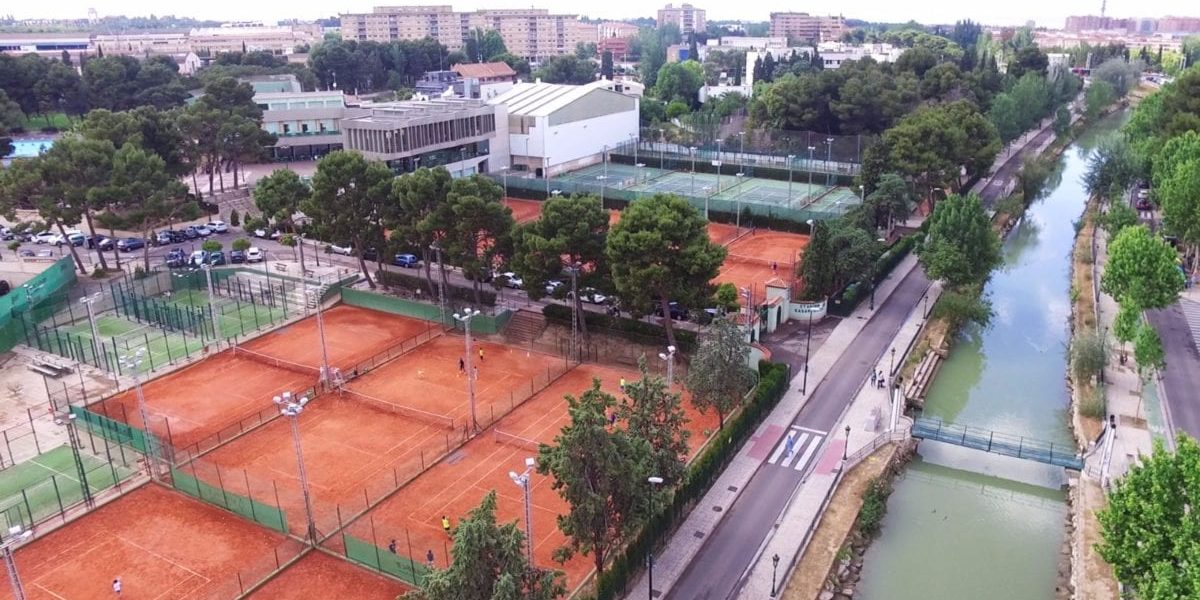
(484, 324)
(405, 567)
(34, 300)
(259, 512)
(52, 498)
(120, 432)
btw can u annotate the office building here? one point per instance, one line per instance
(688, 18)
(533, 34)
(48, 45)
(555, 128)
(803, 27)
(465, 136)
(833, 54)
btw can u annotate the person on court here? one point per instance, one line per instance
(392, 546)
(429, 558)
(481, 354)
(462, 365)
(117, 587)
(446, 524)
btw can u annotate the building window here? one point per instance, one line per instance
(287, 129)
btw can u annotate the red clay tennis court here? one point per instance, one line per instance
(456, 485)
(524, 211)
(355, 452)
(333, 577)
(160, 543)
(760, 256)
(203, 398)
(352, 335)
(428, 379)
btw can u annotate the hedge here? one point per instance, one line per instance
(630, 329)
(454, 293)
(847, 299)
(772, 383)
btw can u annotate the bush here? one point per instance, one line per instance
(874, 506)
(1094, 404)
(1089, 353)
(234, 218)
(241, 244)
(454, 293)
(959, 307)
(251, 223)
(211, 246)
(638, 331)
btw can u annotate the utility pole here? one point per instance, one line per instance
(437, 249)
(465, 319)
(523, 482)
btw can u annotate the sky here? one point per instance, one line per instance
(990, 12)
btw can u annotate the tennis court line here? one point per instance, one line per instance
(122, 538)
(34, 460)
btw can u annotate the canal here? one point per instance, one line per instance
(962, 523)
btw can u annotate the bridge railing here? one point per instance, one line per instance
(879, 440)
(1060, 454)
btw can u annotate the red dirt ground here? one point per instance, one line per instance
(334, 577)
(457, 484)
(721, 233)
(428, 379)
(786, 249)
(203, 398)
(352, 335)
(161, 544)
(524, 210)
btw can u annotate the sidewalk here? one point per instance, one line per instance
(671, 561)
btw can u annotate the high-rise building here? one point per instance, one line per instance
(689, 18)
(1171, 24)
(803, 27)
(531, 33)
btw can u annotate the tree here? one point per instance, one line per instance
(957, 307)
(1098, 96)
(569, 231)
(144, 196)
(489, 564)
(601, 473)
(719, 375)
(652, 412)
(961, 248)
(660, 253)
(349, 193)
(1127, 323)
(1112, 166)
(279, 196)
(1119, 216)
(1149, 525)
(892, 200)
(1141, 269)
(211, 246)
(480, 228)
(567, 69)
(1035, 170)
(417, 200)
(1062, 121)
(1121, 75)
(1177, 186)
(241, 244)
(933, 145)
(1148, 351)
(585, 51)
(1028, 59)
(726, 298)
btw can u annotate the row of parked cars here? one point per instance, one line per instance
(178, 259)
(106, 243)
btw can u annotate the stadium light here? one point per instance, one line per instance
(437, 249)
(828, 161)
(292, 408)
(738, 199)
(73, 437)
(16, 535)
(133, 362)
(523, 482)
(465, 319)
(692, 152)
(669, 356)
(87, 301)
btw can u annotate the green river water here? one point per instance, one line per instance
(962, 524)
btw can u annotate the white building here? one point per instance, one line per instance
(465, 136)
(554, 128)
(836, 53)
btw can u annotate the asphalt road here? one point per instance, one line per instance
(716, 570)
(1181, 378)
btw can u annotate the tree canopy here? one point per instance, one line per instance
(568, 69)
(719, 375)
(347, 202)
(960, 248)
(1141, 269)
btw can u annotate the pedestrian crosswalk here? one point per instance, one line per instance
(797, 448)
(1191, 312)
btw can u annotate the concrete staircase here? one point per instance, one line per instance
(524, 327)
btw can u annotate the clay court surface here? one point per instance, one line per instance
(203, 398)
(352, 335)
(428, 378)
(350, 447)
(160, 543)
(456, 485)
(319, 575)
(750, 257)
(524, 211)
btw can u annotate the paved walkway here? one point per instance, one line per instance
(681, 548)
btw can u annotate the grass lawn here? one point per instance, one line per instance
(35, 123)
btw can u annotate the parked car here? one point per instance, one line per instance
(552, 286)
(678, 313)
(43, 237)
(1144, 204)
(191, 232)
(237, 256)
(218, 226)
(345, 250)
(198, 258)
(1143, 193)
(408, 261)
(6, 233)
(216, 258)
(262, 233)
(371, 254)
(176, 259)
(130, 244)
(254, 254)
(26, 252)
(513, 280)
(101, 242)
(164, 237)
(591, 296)
(203, 231)
(73, 237)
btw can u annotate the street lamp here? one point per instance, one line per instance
(133, 362)
(828, 160)
(16, 535)
(291, 408)
(789, 159)
(522, 482)
(742, 146)
(774, 568)
(846, 448)
(669, 356)
(807, 351)
(811, 149)
(654, 483)
(73, 438)
(892, 365)
(465, 319)
(87, 301)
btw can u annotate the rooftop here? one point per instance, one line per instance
(398, 112)
(542, 99)
(484, 70)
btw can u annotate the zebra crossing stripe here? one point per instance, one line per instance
(787, 461)
(779, 448)
(808, 452)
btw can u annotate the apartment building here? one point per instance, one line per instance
(531, 33)
(276, 40)
(688, 18)
(465, 136)
(799, 26)
(616, 29)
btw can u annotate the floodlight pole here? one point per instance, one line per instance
(321, 332)
(669, 356)
(87, 301)
(575, 350)
(16, 535)
(789, 159)
(134, 363)
(291, 409)
(828, 161)
(73, 438)
(212, 306)
(437, 249)
(738, 198)
(692, 151)
(523, 482)
(465, 319)
(719, 142)
(811, 149)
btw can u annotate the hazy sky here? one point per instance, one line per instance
(1004, 12)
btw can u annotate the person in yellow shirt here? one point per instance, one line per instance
(446, 524)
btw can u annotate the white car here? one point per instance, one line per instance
(254, 254)
(346, 250)
(203, 230)
(218, 226)
(591, 296)
(513, 280)
(73, 237)
(44, 237)
(552, 285)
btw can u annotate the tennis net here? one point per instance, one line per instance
(275, 362)
(407, 411)
(782, 266)
(501, 437)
